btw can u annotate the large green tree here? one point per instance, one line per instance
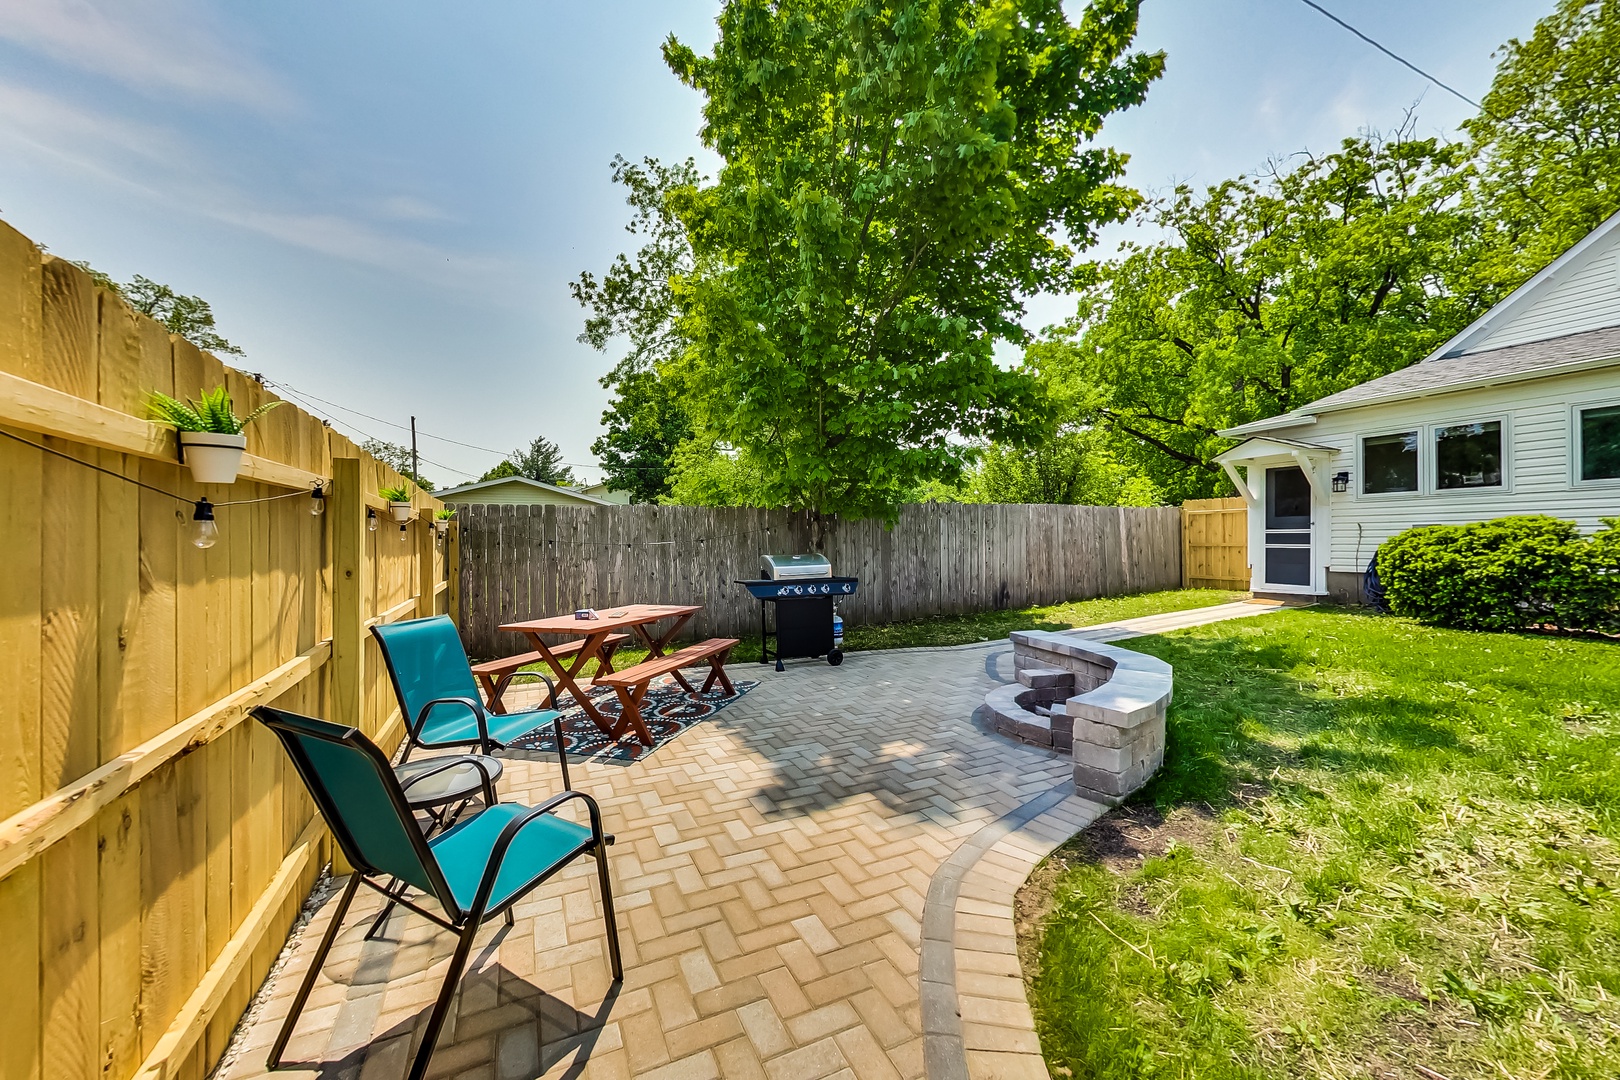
(632, 304)
(645, 425)
(897, 175)
(1548, 137)
(1268, 293)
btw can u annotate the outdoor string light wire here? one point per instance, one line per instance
(202, 508)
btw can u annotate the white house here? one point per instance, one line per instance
(1518, 414)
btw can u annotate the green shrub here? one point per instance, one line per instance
(1512, 573)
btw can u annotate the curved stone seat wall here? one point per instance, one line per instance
(1104, 704)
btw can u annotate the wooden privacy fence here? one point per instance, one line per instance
(939, 559)
(154, 847)
(1215, 544)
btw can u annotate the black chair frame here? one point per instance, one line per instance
(463, 922)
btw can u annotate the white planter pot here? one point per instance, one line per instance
(402, 511)
(213, 458)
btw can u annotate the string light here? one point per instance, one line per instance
(402, 536)
(317, 501)
(205, 532)
(371, 520)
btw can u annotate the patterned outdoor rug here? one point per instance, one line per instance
(667, 710)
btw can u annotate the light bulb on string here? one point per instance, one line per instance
(402, 536)
(205, 530)
(317, 501)
(371, 519)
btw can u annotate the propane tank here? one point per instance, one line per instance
(838, 631)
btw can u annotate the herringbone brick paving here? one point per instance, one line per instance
(770, 872)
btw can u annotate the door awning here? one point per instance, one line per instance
(1267, 447)
(1310, 457)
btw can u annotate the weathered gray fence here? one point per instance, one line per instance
(939, 559)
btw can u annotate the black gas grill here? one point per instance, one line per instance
(803, 591)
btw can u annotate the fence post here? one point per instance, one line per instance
(452, 569)
(426, 580)
(1186, 549)
(348, 513)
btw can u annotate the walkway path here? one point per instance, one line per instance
(772, 869)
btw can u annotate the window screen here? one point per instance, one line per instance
(1389, 463)
(1468, 455)
(1600, 443)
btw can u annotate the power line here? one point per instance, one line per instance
(1392, 54)
(306, 397)
(307, 400)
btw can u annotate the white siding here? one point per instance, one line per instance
(1588, 299)
(1540, 476)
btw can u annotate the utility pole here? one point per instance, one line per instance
(416, 467)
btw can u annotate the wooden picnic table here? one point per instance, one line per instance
(637, 618)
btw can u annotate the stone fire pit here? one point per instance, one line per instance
(1104, 704)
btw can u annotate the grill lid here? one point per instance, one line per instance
(779, 567)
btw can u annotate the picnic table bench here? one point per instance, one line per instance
(496, 675)
(632, 683)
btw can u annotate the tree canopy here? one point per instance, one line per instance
(646, 424)
(896, 177)
(189, 316)
(816, 324)
(398, 458)
(541, 460)
(1270, 292)
(1548, 138)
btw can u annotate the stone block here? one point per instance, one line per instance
(1109, 783)
(1103, 757)
(1089, 731)
(1035, 734)
(1044, 678)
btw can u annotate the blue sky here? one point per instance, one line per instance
(384, 202)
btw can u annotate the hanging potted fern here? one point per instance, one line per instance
(442, 519)
(211, 439)
(399, 502)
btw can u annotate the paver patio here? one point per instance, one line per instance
(771, 871)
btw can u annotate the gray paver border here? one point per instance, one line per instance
(944, 1051)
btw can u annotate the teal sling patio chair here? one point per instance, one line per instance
(439, 698)
(475, 870)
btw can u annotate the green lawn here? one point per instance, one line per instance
(985, 626)
(1374, 849)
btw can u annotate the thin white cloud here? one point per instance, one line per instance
(171, 47)
(159, 165)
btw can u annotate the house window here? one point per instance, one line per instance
(1468, 455)
(1389, 463)
(1600, 443)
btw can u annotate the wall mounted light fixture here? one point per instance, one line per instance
(1341, 481)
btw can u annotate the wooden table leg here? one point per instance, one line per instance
(717, 671)
(656, 645)
(588, 650)
(630, 699)
(493, 691)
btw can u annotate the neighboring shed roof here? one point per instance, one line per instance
(1594, 348)
(489, 491)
